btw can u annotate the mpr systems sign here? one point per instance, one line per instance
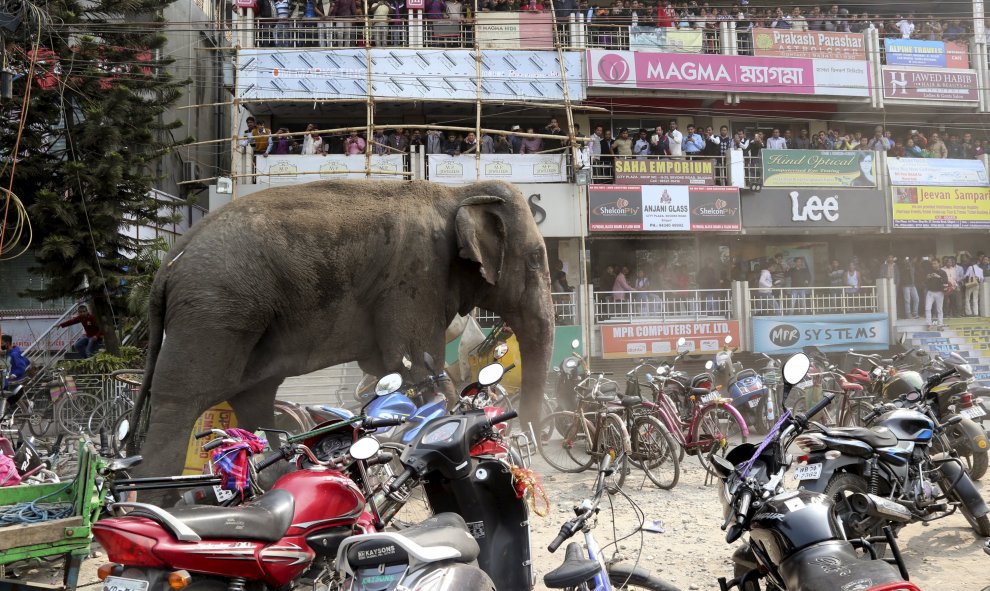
(833, 332)
(813, 208)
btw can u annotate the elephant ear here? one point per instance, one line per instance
(481, 234)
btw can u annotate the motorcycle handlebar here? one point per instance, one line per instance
(373, 423)
(502, 418)
(937, 378)
(382, 458)
(212, 445)
(275, 457)
(398, 482)
(825, 401)
(744, 502)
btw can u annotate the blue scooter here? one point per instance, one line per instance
(745, 387)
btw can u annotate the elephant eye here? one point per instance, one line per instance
(535, 260)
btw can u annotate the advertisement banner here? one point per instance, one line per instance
(25, 330)
(788, 334)
(829, 209)
(926, 54)
(819, 168)
(630, 341)
(272, 73)
(941, 207)
(508, 30)
(809, 44)
(930, 85)
(653, 70)
(556, 207)
(663, 208)
(670, 40)
(295, 169)
(665, 172)
(518, 168)
(937, 172)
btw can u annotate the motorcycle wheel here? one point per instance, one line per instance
(760, 422)
(838, 489)
(739, 570)
(981, 525)
(629, 581)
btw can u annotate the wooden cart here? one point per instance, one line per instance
(69, 537)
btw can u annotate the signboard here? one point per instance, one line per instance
(514, 30)
(666, 39)
(663, 208)
(25, 330)
(788, 334)
(665, 172)
(630, 341)
(406, 74)
(517, 168)
(941, 207)
(926, 54)
(220, 416)
(930, 85)
(294, 169)
(727, 73)
(556, 208)
(814, 208)
(819, 168)
(810, 44)
(938, 172)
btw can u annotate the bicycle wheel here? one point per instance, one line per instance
(655, 452)
(614, 440)
(40, 418)
(564, 443)
(856, 413)
(718, 430)
(105, 415)
(416, 508)
(72, 412)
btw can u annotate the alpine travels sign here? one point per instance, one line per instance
(813, 208)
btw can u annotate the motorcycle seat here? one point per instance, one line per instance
(265, 519)
(876, 436)
(445, 529)
(834, 565)
(576, 569)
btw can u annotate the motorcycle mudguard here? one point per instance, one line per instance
(967, 437)
(964, 490)
(744, 557)
(829, 468)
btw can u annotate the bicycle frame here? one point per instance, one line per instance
(594, 553)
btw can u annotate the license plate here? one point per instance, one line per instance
(122, 584)
(973, 412)
(222, 494)
(754, 403)
(808, 472)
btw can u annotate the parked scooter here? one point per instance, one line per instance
(745, 388)
(795, 544)
(479, 535)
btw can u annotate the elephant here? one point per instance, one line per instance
(293, 279)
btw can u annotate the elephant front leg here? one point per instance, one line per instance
(164, 447)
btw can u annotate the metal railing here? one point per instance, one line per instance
(358, 32)
(813, 300)
(625, 306)
(564, 307)
(603, 167)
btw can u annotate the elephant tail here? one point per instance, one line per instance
(156, 335)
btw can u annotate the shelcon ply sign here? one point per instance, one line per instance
(663, 208)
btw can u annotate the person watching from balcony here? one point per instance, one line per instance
(845, 142)
(659, 143)
(398, 142)
(487, 143)
(675, 140)
(905, 26)
(852, 278)
(936, 147)
(502, 145)
(816, 21)
(343, 13)
(981, 148)
(379, 143)
(802, 142)
(641, 149)
(451, 146)
(741, 142)
(470, 144)
(968, 146)
(820, 141)
(416, 140)
(280, 143)
(724, 140)
(800, 277)
(553, 128)
(972, 279)
(954, 31)
(913, 151)
(87, 344)
(622, 146)
(836, 274)
(380, 12)
(397, 22)
(621, 287)
(879, 142)
(13, 358)
(258, 136)
(434, 141)
(712, 144)
(693, 142)
(864, 144)
(797, 20)
(354, 144)
(780, 21)
(665, 15)
(764, 292)
(312, 142)
(595, 144)
(531, 145)
(775, 142)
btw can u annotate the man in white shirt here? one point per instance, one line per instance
(972, 279)
(775, 142)
(595, 144)
(906, 27)
(676, 140)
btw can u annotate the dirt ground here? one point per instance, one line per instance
(691, 553)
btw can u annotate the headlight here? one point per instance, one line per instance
(570, 363)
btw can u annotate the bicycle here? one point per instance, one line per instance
(120, 403)
(854, 405)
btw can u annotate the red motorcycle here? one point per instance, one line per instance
(269, 540)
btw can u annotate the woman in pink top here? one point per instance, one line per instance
(621, 286)
(354, 145)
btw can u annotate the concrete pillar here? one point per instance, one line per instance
(586, 307)
(985, 298)
(887, 301)
(743, 312)
(737, 168)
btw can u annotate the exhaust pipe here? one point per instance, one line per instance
(874, 506)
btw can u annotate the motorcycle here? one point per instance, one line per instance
(267, 541)
(478, 537)
(745, 387)
(795, 544)
(894, 462)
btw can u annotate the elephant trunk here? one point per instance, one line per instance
(534, 329)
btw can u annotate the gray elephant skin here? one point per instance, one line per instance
(294, 279)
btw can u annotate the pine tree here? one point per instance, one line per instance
(93, 133)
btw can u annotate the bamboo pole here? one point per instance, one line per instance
(477, 105)
(522, 103)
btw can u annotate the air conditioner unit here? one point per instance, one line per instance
(190, 171)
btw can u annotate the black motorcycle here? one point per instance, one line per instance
(894, 462)
(795, 543)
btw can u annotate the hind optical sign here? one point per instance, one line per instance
(788, 334)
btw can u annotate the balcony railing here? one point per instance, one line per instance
(812, 300)
(564, 307)
(691, 304)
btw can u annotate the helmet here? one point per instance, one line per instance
(903, 383)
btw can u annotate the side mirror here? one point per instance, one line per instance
(662, 370)
(123, 428)
(795, 368)
(723, 467)
(500, 350)
(365, 448)
(575, 344)
(491, 374)
(709, 365)
(390, 383)
(728, 339)
(429, 363)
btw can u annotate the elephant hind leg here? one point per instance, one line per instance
(255, 406)
(165, 445)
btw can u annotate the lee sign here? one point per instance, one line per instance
(625, 341)
(727, 73)
(813, 208)
(788, 334)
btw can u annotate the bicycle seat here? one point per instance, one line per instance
(576, 569)
(700, 391)
(630, 401)
(847, 385)
(609, 388)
